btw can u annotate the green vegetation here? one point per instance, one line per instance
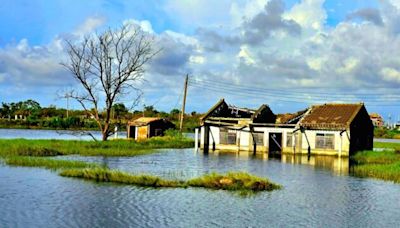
(30, 115)
(239, 181)
(115, 176)
(233, 181)
(386, 133)
(24, 147)
(383, 165)
(45, 163)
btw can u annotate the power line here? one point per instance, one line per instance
(282, 90)
(285, 96)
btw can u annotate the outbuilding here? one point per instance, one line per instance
(147, 127)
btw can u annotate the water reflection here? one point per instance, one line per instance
(311, 197)
(338, 165)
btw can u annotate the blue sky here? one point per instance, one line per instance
(341, 50)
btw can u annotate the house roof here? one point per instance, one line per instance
(144, 121)
(330, 115)
(290, 118)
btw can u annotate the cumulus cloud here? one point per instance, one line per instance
(259, 42)
(367, 14)
(260, 27)
(89, 25)
(24, 65)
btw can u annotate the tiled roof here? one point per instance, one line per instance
(330, 115)
(289, 118)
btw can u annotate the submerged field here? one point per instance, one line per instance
(39, 153)
(383, 165)
(24, 147)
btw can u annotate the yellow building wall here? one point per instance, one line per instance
(142, 132)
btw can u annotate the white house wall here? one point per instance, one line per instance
(311, 135)
(246, 141)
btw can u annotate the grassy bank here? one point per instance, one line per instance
(383, 165)
(23, 147)
(234, 181)
(46, 163)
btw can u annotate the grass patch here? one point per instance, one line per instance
(388, 145)
(115, 176)
(24, 147)
(384, 165)
(46, 163)
(237, 181)
(233, 181)
(375, 157)
(388, 172)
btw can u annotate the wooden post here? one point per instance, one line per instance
(67, 106)
(196, 138)
(184, 103)
(206, 138)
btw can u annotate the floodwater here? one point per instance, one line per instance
(316, 193)
(52, 134)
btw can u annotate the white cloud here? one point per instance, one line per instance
(144, 25)
(348, 66)
(310, 14)
(390, 74)
(89, 26)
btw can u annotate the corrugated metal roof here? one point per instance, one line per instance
(331, 115)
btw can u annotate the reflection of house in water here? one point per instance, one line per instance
(146, 127)
(339, 165)
(329, 129)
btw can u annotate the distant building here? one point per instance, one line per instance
(147, 127)
(376, 119)
(330, 129)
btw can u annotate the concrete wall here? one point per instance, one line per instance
(245, 141)
(311, 135)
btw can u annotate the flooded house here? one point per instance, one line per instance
(328, 129)
(147, 127)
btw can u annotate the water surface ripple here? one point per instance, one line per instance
(312, 196)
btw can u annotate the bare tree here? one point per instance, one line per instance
(108, 66)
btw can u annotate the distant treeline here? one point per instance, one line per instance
(30, 114)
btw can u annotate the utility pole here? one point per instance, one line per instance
(184, 103)
(67, 106)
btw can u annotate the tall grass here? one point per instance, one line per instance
(115, 176)
(388, 172)
(24, 147)
(46, 163)
(233, 181)
(387, 145)
(384, 165)
(238, 181)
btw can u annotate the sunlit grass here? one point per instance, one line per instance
(233, 181)
(45, 163)
(384, 165)
(24, 147)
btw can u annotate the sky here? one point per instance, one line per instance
(289, 54)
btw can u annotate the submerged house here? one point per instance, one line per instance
(146, 127)
(329, 129)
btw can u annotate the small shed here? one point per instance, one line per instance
(147, 127)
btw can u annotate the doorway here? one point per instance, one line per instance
(275, 143)
(132, 132)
